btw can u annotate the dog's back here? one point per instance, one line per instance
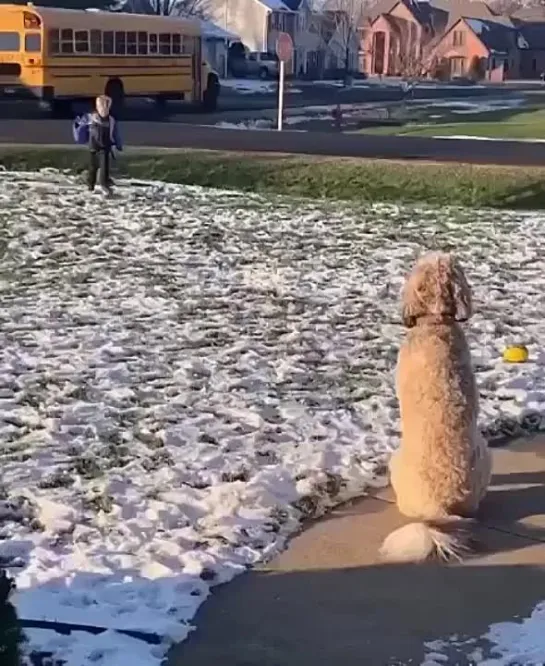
(439, 405)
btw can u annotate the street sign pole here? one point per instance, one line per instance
(281, 95)
(284, 51)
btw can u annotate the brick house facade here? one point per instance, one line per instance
(450, 39)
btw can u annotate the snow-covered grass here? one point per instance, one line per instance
(187, 373)
(310, 114)
(476, 106)
(504, 644)
(254, 86)
(473, 137)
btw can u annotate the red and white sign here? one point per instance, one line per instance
(284, 47)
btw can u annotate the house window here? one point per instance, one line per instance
(457, 66)
(534, 65)
(493, 63)
(458, 38)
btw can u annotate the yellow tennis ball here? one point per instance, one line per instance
(515, 354)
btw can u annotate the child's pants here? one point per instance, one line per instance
(99, 161)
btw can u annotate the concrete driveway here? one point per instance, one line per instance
(327, 599)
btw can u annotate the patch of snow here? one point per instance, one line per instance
(475, 106)
(505, 643)
(254, 86)
(521, 42)
(188, 373)
(445, 86)
(252, 124)
(466, 137)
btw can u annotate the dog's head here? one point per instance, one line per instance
(436, 287)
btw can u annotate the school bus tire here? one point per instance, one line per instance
(58, 108)
(211, 94)
(115, 90)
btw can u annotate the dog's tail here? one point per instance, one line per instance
(449, 539)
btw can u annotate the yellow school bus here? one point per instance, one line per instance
(59, 56)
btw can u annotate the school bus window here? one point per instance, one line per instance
(164, 43)
(95, 37)
(120, 43)
(108, 43)
(67, 41)
(33, 42)
(9, 41)
(176, 44)
(153, 44)
(132, 48)
(142, 43)
(81, 38)
(53, 37)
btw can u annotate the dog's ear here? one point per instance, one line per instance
(463, 303)
(407, 317)
(411, 304)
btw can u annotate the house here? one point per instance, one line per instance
(322, 40)
(455, 38)
(340, 41)
(216, 42)
(394, 40)
(257, 22)
(531, 28)
(482, 48)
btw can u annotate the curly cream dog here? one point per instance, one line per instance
(442, 469)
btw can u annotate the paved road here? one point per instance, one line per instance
(307, 95)
(179, 135)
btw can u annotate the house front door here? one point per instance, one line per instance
(379, 44)
(457, 67)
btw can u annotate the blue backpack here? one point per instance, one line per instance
(80, 130)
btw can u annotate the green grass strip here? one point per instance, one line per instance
(315, 178)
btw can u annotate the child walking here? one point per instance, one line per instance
(99, 130)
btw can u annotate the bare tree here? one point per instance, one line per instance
(415, 54)
(183, 8)
(344, 18)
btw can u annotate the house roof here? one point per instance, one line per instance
(533, 34)
(497, 37)
(213, 31)
(275, 5)
(294, 5)
(530, 14)
(441, 15)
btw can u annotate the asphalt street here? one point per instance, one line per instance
(179, 135)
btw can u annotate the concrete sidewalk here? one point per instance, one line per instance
(327, 600)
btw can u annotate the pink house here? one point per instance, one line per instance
(418, 38)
